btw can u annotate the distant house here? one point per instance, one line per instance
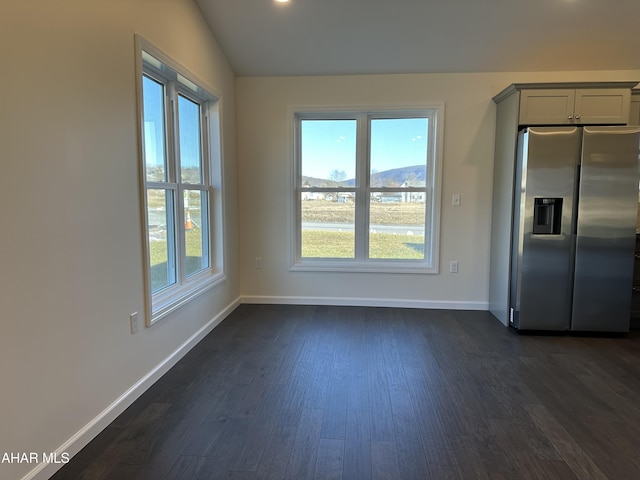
(412, 197)
(400, 197)
(391, 197)
(311, 195)
(345, 197)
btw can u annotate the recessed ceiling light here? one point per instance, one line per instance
(281, 1)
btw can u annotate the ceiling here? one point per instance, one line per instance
(331, 37)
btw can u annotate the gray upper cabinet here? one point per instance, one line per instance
(634, 116)
(546, 107)
(575, 106)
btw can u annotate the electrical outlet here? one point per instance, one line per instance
(453, 266)
(133, 320)
(455, 200)
(258, 262)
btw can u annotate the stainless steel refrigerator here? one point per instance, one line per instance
(574, 225)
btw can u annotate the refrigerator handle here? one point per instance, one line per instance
(574, 219)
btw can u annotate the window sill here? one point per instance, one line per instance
(170, 300)
(362, 267)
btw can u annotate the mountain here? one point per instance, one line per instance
(415, 175)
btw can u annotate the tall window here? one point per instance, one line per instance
(179, 145)
(367, 190)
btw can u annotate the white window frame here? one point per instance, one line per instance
(151, 62)
(432, 189)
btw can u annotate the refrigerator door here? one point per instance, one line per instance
(607, 213)
(542, 263)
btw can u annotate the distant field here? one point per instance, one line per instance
(318, 243)
(323, 211)
(327, 244)
(332, 244)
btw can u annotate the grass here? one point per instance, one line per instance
(332, 244)
(158, 258)
(328, 244)
(324, 211)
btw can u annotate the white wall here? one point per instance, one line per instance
(71, 237)
(265, 164)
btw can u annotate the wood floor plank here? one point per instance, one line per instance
(316, 395)
(380, 406)
(91, 454)
(329, 464)
(519, 438)
(617, 436)
(579, 462)
(400, 398)
(384, 461)
(129, 447)
(275, 457)
(412, 463)
(121, 471)
(221, 455)
(252, 446)
(357, 450)
(304, 454)
(468, 460)
(186, 468)
(334, 419)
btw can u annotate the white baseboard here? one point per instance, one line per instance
(365, 302)
(77, 442)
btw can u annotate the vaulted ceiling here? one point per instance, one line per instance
(328, 37)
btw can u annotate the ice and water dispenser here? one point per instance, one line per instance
(547, 216)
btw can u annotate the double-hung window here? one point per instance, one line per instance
(180, 158)
(367, 190)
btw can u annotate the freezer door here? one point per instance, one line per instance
(542, 248)
(607, 212)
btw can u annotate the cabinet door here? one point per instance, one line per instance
(546, 107)
(602, 106)
(634, 116)
(635, 301)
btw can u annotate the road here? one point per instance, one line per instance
(158, 219)
(375, 228)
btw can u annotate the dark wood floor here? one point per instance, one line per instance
(297, 392)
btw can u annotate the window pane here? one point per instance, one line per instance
(196, 230)
(328, 224)
(190, 153)
(328, 149)
(397, 223)
(154, 135)
(398, 152)
(161, 238)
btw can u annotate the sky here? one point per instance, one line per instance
(329, 145)
(154, 126)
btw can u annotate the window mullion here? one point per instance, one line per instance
(207, 252)
(173, 237)
(174, 169)
(171, 133)
(362, 183)
(204, 139)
